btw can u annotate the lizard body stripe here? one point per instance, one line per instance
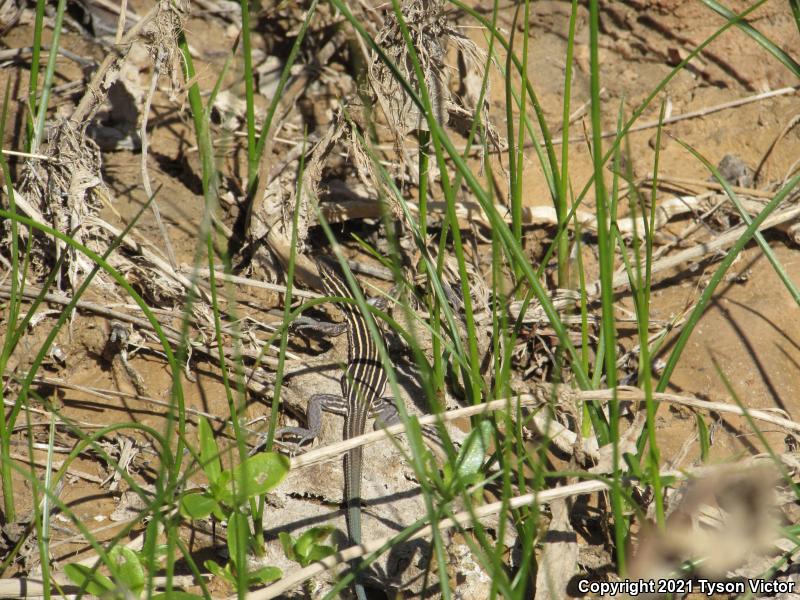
(363, 384)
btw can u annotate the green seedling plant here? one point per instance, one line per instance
(128, 573)
(229, 491)
(239, 539)
(466, 470)
(307, 548)
(129, 577)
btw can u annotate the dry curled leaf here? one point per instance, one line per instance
(559, 555)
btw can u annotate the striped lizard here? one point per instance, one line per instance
(363, 384)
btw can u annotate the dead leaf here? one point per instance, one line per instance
(559, 558)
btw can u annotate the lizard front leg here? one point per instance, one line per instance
(330, 403)
(318, 403)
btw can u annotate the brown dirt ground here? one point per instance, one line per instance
(750, 331)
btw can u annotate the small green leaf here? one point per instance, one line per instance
(287, 543)
(238, 537)
(265, 471)
(471, 457)
(218, 571)
(318, 552)
(259, 474)
(222, 489)
(129, 572)
(197, 505)
(705, 437)
(264, 575)
(219, 514)
(90, 580)
(669, 481)
(209, 451)
(176, 595)
(447, 473)
(634, 468)
(306, 542)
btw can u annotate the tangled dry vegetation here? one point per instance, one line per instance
(120, 170)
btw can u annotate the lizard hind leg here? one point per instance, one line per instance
(384, 412)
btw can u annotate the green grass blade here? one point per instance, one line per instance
(41, 112)
(247, 55)
(717, 277)
(762, 243)
(33, 80)
(786, 60)
(605, 244)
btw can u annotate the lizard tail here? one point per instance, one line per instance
(352, 493)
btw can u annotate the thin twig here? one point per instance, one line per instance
(33, 589)
(56, 464)
(273, 287)
(545, 393)
(711, 185)
(108, 394)
(148, 189)
(721, 242)
(93, 95)
(689, 115)
(13, 53)
(46, 413)
(533, 214)
(123, 5)
(29, 155)
(118, 9)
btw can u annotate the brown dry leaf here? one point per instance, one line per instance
(626, 444)
(115, 126)
(272, 216)
(61, 192)
(130, 506)
(559, 558)
(428, 29)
